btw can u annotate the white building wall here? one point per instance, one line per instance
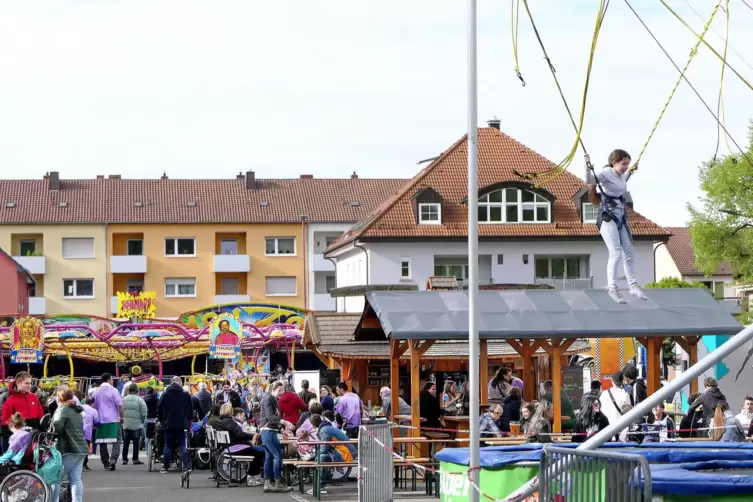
(385, 262)
(315, 244)
(666, 267)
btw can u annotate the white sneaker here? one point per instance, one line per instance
(636, 291)
(254, 481)
(322, 491)
(614, 294)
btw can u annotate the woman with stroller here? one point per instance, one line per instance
(68, 423)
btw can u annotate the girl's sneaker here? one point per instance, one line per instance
(636, 291)
(614, 294)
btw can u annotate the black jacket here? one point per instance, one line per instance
(202, 403)
(692, 420)
(578, 430)
(237, 436)
(510, 413)
(307, 396)
(428, 406)
(151, 401)
(235, 399)
(638, 393)
(174, 409)
(709, 400)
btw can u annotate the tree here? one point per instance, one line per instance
(722, 229)
(668, 357)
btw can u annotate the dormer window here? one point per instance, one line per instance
(590, 212)
(430, 213)
(514, 205)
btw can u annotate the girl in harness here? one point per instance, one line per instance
(608, 190)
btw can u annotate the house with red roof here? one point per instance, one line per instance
(527, 234)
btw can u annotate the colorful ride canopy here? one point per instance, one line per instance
(96, 338)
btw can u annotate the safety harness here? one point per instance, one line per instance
(608, 204)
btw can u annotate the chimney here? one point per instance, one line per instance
(100, 176)
(250, 180)
(354, 176)
(54, 180)
(307, 176)
(494, 123)
(114, 176)
(239, 176)
(164, 175)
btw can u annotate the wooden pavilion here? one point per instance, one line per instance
(533, 320)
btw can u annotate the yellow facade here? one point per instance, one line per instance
(48, 243)
(200, 265)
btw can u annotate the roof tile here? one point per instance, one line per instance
(498, 156)
(680, 247)
(192, 201)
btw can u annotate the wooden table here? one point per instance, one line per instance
(461, 423)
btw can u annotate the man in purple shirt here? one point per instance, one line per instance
(349, 406)
(109, 405)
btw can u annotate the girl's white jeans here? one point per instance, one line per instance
(620, 247)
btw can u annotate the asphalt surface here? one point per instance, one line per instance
(134, 484)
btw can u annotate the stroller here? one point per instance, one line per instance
(30, 481)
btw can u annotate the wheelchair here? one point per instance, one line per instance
(21, 483)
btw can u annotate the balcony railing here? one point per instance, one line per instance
(324, 302)
(37, 305)
(560, 283)
(321, 264)
(128, 264)
(36, 265)
(221, 299)
(232, 263)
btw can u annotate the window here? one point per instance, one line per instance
(28, 247)
(405, 268)
(562, 267)
(513, 205)
(330, 282)
(460, 272)
(430, 214)
(281, 286)
(78, 288)
(229, 286)
(279, 246)
(135, 285)
(328, 241)
(500, 259)
(135, 247)
(525, 259)
(229, 246)
(590, 212)
(180, 287)
(78, 248)
(181, 246)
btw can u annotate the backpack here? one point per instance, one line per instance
(49, 463)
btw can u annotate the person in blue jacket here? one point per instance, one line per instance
(326, 432)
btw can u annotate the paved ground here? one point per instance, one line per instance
(134, 484)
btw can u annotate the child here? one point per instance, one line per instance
(19, 441)
(608, 191)
(91, 420)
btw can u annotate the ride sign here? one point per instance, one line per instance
(225, 337)
(28, 341)
(137, 305)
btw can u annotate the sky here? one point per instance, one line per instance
(207, 89)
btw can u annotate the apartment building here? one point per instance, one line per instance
(527, 234)
(194, 242)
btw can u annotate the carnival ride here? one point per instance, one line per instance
(261, 325)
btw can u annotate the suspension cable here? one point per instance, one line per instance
(720, 100)
(693, 52)
(679, 18)
(514, 24)
(692, 87)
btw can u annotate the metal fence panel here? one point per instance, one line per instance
(593, 476)
(375, 462)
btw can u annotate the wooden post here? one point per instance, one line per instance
(557, 384)
(396, 350)
(529, 381)
(690, 345)
(484, 372)
(415, 383)
(654, 363)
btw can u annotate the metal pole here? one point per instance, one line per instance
(708, 362)
(473, 341)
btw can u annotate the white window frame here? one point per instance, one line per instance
(91, 239)
(277, 247)
(403, 261)
(431, 206)
(447, 270)
(176, 239)
(75, 288)
(177, 282)
(295, 281)
(593, 207)
(128, 241)
(538, 201)
(549, 259)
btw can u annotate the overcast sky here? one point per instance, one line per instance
(210, 88)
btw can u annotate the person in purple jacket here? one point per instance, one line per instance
(350, 407)
(91, 420)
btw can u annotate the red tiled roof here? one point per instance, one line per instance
(680, 247)
(192, 201)
(498, 156)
